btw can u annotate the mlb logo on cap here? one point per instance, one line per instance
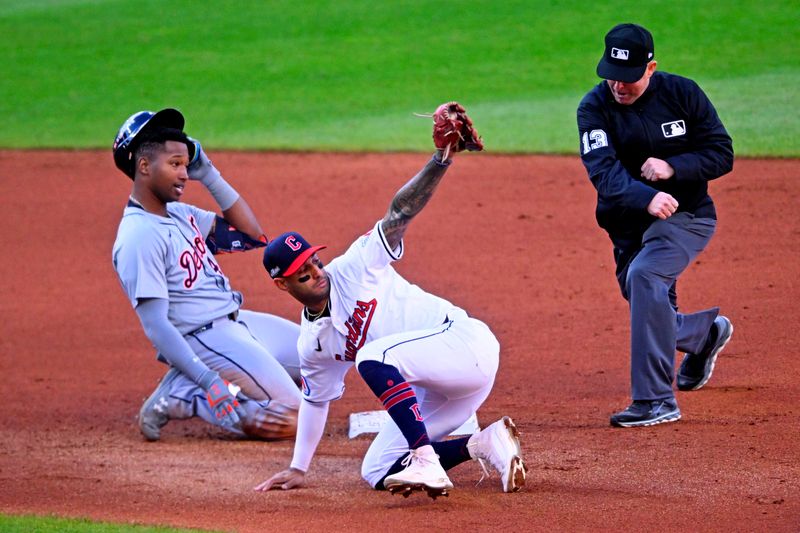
(616, 53)
(286, 253)
(629, 48)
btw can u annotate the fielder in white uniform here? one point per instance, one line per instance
(429, 363)
(228, 367)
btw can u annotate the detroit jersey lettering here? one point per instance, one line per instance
(363, 282)
(191, 260)
(167, 257)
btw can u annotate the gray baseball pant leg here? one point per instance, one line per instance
(187, 400)
(693, 329)
(657, 329)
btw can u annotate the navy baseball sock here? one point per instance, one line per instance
(451, 453)
(398, 399)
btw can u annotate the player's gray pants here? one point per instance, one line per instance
(258, 353)
(657, 328)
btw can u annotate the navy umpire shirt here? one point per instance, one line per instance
(672, 120)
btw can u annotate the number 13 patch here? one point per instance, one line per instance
(593, 140)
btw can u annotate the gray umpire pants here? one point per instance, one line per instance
(657, 328)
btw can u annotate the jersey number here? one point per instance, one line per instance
(598, 138)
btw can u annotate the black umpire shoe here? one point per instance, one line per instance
(647, 413)
(696, 369)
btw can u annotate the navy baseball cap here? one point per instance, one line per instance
(629, 48)
(286, 253)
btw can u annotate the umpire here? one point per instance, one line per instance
(651, 142)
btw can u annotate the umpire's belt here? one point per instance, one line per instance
(230, 316)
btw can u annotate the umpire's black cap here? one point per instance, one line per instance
(629, 48)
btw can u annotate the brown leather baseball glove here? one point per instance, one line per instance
(453, 130)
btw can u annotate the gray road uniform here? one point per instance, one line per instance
(169, 259)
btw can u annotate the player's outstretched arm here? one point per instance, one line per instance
(411, 198)
(234, 208)
(453, 131)
(310, 427)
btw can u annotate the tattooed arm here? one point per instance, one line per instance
(411, 198)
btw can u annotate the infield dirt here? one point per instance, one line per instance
(513, 240)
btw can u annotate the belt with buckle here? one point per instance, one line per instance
(230, 316)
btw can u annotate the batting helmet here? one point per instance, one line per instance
(125, 142)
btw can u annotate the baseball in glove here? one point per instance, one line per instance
(453, 130)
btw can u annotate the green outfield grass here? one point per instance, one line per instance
(37, 524)
(347, 74)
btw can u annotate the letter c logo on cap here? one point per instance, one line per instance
(292, 243)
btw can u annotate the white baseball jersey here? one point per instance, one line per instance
(166, 257)
(368, 300)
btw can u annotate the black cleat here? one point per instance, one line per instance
(696, 369)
